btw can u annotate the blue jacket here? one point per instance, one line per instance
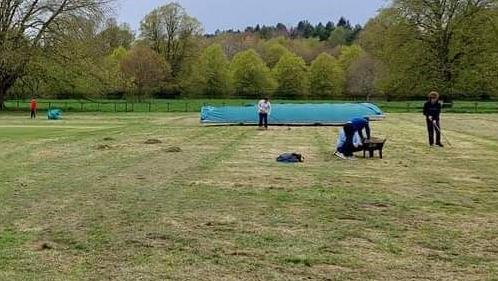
(359, 124)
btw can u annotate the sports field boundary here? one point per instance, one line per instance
(195, 105)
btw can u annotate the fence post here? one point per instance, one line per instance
(167, 107)
(186, 107)
(126, 106)
(476, 105)
(65, 106)
(81, 106)
(49, 105)
(98, 106)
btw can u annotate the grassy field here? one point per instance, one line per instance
(195, 105)
(86, 199)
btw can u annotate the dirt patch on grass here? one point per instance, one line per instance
(153, 141)
(377, 206)
(45, 246)
(103, 147)
(172, 149)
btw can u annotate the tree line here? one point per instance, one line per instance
(342, 31)
(71, 49)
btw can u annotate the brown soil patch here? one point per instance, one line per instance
(153, 141)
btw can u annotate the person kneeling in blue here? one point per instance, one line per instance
(360, 124)
(348, 142)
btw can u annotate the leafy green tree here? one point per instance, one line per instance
(321, 32)
(477, 71)
(251, 77)
(432, 45)
(114, 36)
(272, 51)
(75, 66)
(146, 69)
(327, 77)
(291, 75)
(329, 28)
(349, 54)
(339, 36)
(211, 74)
(439, 25)
(305, 29)
(119, 54)
(119, 82)
(171, 32)
(29, 26)
(354, 34)
(343, 22)
(405, 68)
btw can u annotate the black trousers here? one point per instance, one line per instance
(348, 149)
(33, 114)
(263, 120)
(431, 128)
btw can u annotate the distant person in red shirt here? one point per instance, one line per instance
(33, 105)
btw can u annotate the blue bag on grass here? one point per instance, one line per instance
(290, 158)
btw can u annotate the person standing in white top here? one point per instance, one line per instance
(264, 110)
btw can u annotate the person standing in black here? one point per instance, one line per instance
(432, 112)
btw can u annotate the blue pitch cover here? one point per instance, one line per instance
(291, 114)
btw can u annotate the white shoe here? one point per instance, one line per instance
(340, 155)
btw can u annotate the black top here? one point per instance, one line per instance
(432, 109)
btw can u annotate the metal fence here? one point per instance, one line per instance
(87, 106)
(196, 105)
